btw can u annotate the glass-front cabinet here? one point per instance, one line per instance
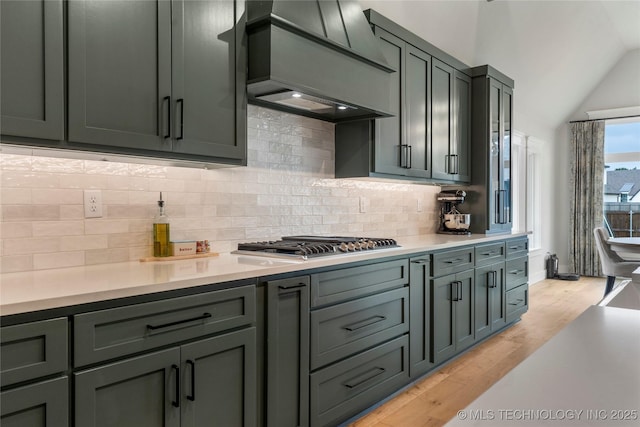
(489, 198)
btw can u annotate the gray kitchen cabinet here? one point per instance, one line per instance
(419, 316)
(450, 137)
(490, 192)
(43, 404)
(401, 145)
(158, 78)
(211, 381)
(32, 69)
(288, 352)
(489, 297)
(452, 311)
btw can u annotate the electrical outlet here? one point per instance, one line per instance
(92, 204)
(419, 205)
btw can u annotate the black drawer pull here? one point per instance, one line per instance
(517, 302)
(361, 379)
(491, 278)
(168, 134)
(516, 247)
(181, 101)
(176, 403)
(516, 272)
(363, 323)
(488, 253)
(287, 287)
(177, 322)
(192, 396)
(419, 261)
(453, 261)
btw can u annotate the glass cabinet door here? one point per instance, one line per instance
(495, 100)
(507, 96)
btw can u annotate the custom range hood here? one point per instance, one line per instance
(316, 58)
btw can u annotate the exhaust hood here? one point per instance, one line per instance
(316, 58)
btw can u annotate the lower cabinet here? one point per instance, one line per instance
(288, 352)
(489, 299)
(419, 316)
(452, 316)
(44, 404)
(517, 302)
(207, 382)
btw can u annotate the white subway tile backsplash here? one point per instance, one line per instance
(287, 188)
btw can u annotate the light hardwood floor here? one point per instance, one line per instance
(435, 400)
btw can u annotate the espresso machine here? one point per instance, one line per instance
(451, 220)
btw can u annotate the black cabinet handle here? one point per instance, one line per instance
(177, 322)
(454, 285)
(361, 379)
(168, 134)
(491, 279)
(176, 403)
(460, 291)
(419, 261)
(488, 253)
(366, 322)
(409, 156)
(453, 261)
(516, 272)
(192, 396)
(287, 287)
(181, 102)
(405, 156)
(517, 302)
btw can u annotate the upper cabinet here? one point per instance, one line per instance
(32, 69)
(490, 198)
(428, 138)
(150, 78)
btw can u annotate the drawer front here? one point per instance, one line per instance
(346, 388)
(517, 272)
(488, 254)
(349, 283)
(339, 331)
(111, 333)
(517, 302)
(448, 262)
(45, 403)
(33, 350)
(517, 248)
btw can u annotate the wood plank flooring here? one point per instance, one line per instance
(434, 400)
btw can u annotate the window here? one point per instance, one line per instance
(527, 185)
(622, 177)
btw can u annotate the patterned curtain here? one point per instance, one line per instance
(586, 184)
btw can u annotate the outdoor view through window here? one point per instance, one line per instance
(622, 177)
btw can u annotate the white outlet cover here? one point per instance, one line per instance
(92, 203)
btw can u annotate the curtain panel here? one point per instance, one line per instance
(586, 181)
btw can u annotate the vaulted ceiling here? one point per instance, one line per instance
(556, 51)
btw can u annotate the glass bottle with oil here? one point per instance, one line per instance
(161, 232)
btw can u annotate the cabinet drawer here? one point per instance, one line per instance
(45, 403)
(448, 262)
(517, 248)
(106, 334)
(488, 254)
(33, 350)
(349, 283)
(517, 302)
(348, 387)
(517, 272)
(342, 330)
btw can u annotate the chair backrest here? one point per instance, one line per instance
(608, 257)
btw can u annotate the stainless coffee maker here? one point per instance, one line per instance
(451, 220)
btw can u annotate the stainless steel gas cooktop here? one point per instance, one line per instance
(304, 247)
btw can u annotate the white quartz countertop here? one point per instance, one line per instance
(46, 289)
(588, 374)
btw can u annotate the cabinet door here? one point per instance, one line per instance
(31, 69)
(219, 380)
(464, 310)
(495, 155)
(443, 292)
(505, 165)
(44, 404)
(208, 78)
(119, 55)
(389, 134)
(442, 120)
(489, 299)
(460, 157)
(288, 352)
(419, 316)
(138, 392)
(417, 152)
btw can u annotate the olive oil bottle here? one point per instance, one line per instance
(161, 232)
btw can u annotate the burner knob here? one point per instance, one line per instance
(343, 247)
(371, 244)
(351, 246)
